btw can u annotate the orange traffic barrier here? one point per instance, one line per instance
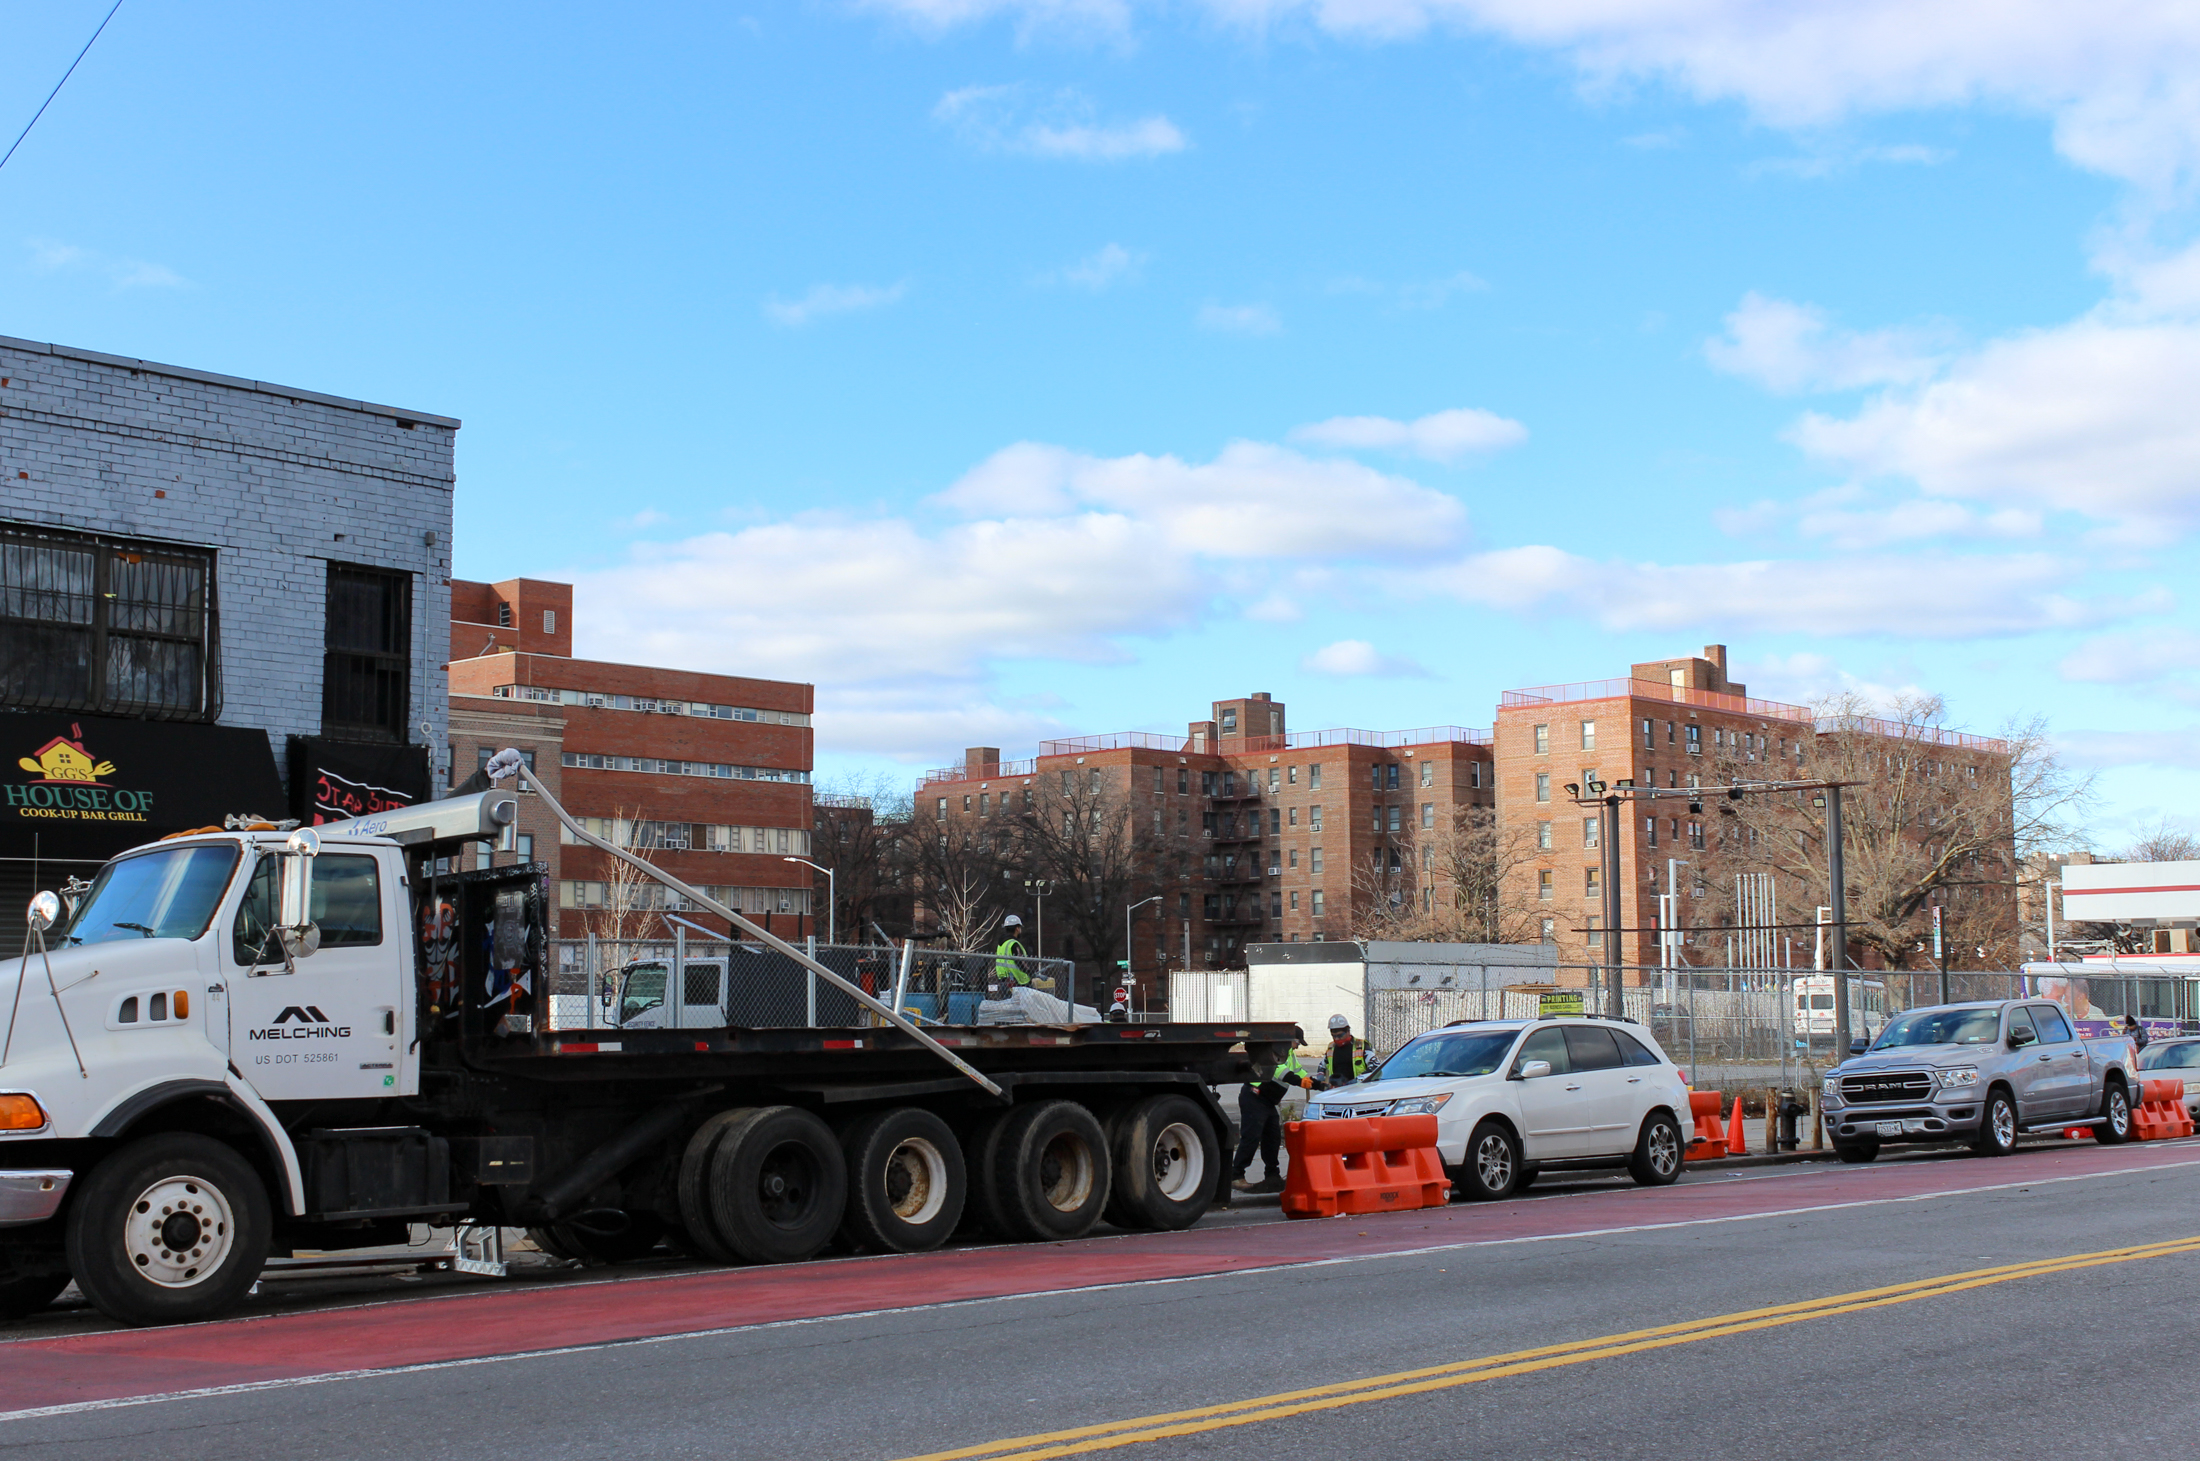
(1365, 1164)
(2161, 1114)
(1737, 1136)
(1710, 1139)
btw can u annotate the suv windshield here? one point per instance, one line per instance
(167, 894)
(1941, 1027)
(2184, 1055)
(1451, 1052)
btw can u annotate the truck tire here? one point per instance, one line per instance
(981, 1141)
(1491, 1171)
(906, 1184)
(1856, 1153)
(2115, 1125)
(171, 1228)
(697, 1229)
(1656, 1160)
(1997, 1125)
(778, 1185)
(1165, 1156)
(1050, 1172)
(22, 1297)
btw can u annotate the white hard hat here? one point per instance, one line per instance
(1012, 921)
(1339, 1022)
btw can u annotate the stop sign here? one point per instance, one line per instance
(1122, 995)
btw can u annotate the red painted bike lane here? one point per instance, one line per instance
(488, 1322)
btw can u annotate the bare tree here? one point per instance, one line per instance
(860, 830)
(2164, 843)
(631, 896)
(1933, 817)
(1452, 883)
(1085, 832)
(955, 870)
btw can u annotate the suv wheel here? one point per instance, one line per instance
(2115, 1127)
(1657, 1156)
(1997, 1126)
(1492, 1168)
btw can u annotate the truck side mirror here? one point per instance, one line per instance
(2018, 1039)
(294, 925)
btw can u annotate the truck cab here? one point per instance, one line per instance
(638, 995)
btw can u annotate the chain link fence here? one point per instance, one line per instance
(1728, 1025)
(699, 983)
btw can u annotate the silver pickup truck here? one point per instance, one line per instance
(1978, 1073)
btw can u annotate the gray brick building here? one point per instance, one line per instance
(239, 590)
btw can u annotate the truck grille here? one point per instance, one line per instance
(1894, 1085)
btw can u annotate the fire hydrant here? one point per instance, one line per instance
(1792, 1111)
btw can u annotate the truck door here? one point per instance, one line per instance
(326, 1029)
(2064, 1082)
(703, 994)
(642, 997)
(2026, 1068)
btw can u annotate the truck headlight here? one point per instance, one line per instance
(1966, 1075)
(1830, 1088)
(21, 1112)
(1421, 1105)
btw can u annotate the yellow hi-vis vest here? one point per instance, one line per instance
(1008, 962)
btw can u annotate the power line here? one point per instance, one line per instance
(64, 81)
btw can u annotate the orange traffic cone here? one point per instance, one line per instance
(1737, 1139)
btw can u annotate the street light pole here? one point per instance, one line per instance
(1039, 888)
(832, 898)
(1129, 971)
(1837, 894)
(1616, 994)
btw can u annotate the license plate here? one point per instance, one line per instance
(1890, 1128)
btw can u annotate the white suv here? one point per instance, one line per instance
(1513, 1098)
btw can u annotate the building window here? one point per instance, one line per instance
(1183, 780)
(1275, 905)
(1294, 816)
(1596, 936)
(1428, 815)
(1096, 778)
(1317, 903)
(504, 616)
(1543, 786)
(1375, 814)
(1550, 930)
(1206, 824)
(1592, 829)
(1314, 817)
(1695, 740)
(1543, 740)
(985, 802)
(105, 624)
(366, 667)
(1590, 882)
(549, 621)
(1275, 778)
(1393, 817)
(1545, 885)
(1390, 777)
(1314, 777)
(1206, 783)
(1669, 733)
(1695, 834)
(1291, 776)
(1650, 830)
(1229, 722)
(1543, 836)
(966, 803)
(1229, 783)
(1294, 900)
(526, 843)
(1588, 735)
(1159, 785)
(1314, 861)
(1294, 859)
(1474, 773)
(1428, 773)
(941, 815)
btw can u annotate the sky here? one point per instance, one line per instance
(1012, 369)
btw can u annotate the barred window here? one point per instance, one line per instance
(89, 622)
(366, 672)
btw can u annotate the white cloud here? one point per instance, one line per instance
(1107, 265)
(1804, 677)
(1275, 608)
(1791, 347)
(51, 256)
(1240, 319)
(830, 299)
(2093, 418)
(1015, 118)
(1358, 657)
(1827, 161)
(1913, 596)
(1253, 501)
(2133, 657)
(1442, 436)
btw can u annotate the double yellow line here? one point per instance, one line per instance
(1108, 1436)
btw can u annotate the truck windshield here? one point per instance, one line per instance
(645, 991)
(1462, 1052)
(1941, 1027)
(171, 893)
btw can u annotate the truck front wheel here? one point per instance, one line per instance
(2115, 1124)
(171, 1228)
(1997, 1125)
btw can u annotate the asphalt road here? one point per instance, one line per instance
(1943, 1306)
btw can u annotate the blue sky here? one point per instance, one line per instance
(1024, 369)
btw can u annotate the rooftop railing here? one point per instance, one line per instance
(1651, 690)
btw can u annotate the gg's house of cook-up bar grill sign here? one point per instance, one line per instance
(86, 786)
(336, 781)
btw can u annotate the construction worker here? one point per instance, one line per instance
(1009, 956)
(1345, 1060)
(1259, 1127)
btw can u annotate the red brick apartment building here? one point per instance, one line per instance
(1272, 822)
(1674, 724)
(707, 775)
